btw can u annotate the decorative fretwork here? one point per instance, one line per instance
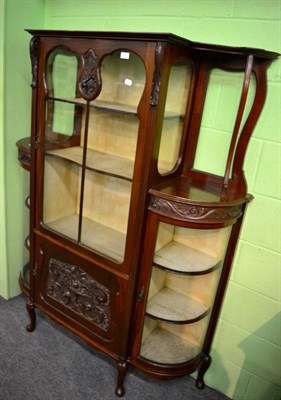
(89, 81)
(76, 290)
(34, 54)
(194, 212)
(154, 98)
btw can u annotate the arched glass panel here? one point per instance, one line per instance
(61, 78)
(174, 115)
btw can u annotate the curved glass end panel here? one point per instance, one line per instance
(174, 115)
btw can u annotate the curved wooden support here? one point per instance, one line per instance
(122, 371)
(259, 70)
(32, 315)
(200, 384)
(240, 112)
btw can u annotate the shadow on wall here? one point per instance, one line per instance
(262, 364)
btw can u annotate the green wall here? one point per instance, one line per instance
(16, 96)
(3, 255)
(246, 352)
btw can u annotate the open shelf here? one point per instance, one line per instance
(97, 161)
(95, 235)
(163, 347)
(170, 305)
(181, 258)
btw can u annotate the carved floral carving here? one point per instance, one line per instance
(89, 80)
(34, 54)
(194, 212)
(76, 290)
(154, 98)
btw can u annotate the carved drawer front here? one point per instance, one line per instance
(80, 294)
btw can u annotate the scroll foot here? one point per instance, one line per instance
(122, 370)
(32, 315)
(200, 384)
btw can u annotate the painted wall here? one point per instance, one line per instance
(246, 352)
(16, 97)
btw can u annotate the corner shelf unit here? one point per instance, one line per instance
(130, 240)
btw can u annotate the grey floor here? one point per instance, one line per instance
(52, 364)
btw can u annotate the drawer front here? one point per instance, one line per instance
(81, 296)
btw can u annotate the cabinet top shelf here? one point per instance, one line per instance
(165, 37)
(189, 190)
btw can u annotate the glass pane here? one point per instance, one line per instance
(111, 146)
(105, 214)
(62, 181)
(123, 80)
(174, 115)
(221, 106)
(61, 78)
(59, 121)
(186, 270)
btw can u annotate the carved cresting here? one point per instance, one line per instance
(154, 98)
(194, 212)
(90, 80)
(72, 287)
(34, 54)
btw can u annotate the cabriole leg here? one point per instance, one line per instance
(32, 315)
(200, 384)
(122, 370)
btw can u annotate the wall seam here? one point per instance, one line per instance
(4, 277)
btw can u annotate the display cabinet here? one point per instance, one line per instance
(131, 242)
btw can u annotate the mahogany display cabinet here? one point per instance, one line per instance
(130, 243)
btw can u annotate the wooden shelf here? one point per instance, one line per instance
(178, 257)
(114, 107)
(101, 104)
(97, 161)
(170, 305)
(165, 348)
(95, 235)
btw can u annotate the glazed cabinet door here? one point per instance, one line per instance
(180, 274)
(87, 150)
(89, 120)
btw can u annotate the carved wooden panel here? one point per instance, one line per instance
(89, 84)
(75, 289)
(190, 212)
